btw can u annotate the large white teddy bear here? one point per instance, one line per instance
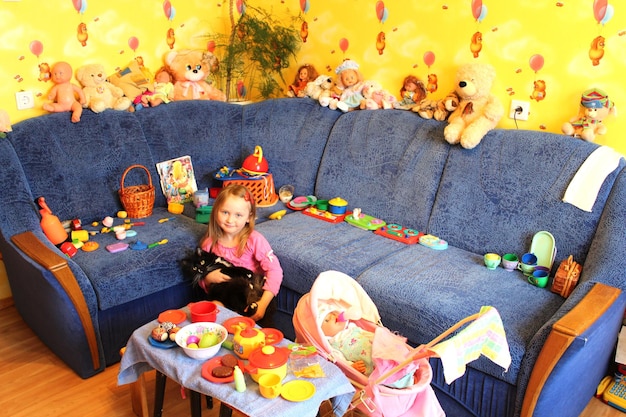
(99, 93)
(478, 111)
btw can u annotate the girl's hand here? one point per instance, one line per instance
(215, 277)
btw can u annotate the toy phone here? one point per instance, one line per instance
(613, 392)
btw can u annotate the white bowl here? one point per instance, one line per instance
(198, 329)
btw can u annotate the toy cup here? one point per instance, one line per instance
(539, 278)
(492, 260)
(510, 261)
(528, 263)
(285, 193)
(269, 385)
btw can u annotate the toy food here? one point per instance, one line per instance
(478, 111)
(190, 68)
(64, 95)
(595, 106)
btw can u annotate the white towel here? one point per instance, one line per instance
(583, 190)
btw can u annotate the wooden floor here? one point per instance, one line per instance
(34, 382)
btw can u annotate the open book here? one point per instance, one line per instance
(178, 182)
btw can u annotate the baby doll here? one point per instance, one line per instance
(163, 89)
(306, 74)
(64, 94)
(413, 91)
(353, 342)
(595, 106)
(350, 81)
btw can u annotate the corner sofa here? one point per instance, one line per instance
(390, 163)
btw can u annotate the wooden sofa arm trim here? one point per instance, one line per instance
(35, 249)
(563, 333)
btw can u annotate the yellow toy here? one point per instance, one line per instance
(479, 111)
(99, 93)
(190, 68)
(65, 96)
(595, 106)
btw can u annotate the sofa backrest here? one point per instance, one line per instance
(386, 162)
(495, 197)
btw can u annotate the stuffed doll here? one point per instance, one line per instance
(306, 74)
(376, 97)
(350, 81)
(162, 90)
(190, 68)
(65, 96)
(325, 91)
(595, 106)
(478, 111)
(99, 93)
(413, 91)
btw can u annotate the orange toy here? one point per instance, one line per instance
(64, 94)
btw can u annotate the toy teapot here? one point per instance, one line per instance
(255, 164)
(246, 340)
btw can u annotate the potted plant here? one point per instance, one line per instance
(254, 53)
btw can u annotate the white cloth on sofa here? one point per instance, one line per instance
(583, 190)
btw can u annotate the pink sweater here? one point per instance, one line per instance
(257, 257)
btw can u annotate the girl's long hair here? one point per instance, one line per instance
(214, 231)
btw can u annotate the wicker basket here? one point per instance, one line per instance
(261, 188)
(138, 200)
(566, 277)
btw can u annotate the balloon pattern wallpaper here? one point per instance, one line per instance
(546, 53)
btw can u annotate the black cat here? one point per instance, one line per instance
(239, 294)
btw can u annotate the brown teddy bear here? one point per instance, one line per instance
(190, 68)
(478, 111)
(99, 93)
(594, 107)
(437, 109)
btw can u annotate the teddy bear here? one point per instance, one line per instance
(65, 95)
(478, 111)
(350, 82)
(190, 68)
(99, 93)
(325, 91)
(595, 106)
(437, 109)
(376, 97)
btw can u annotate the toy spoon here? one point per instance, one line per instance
(160, 242)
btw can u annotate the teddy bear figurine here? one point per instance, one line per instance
(190, 68)
(64, 95)
(595, 106)
(437, 109)
(350, 81)
(376, 97)
(478, 111)
(324, 90)
(99, 93)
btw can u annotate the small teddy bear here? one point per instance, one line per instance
(437, 109)
(478, 111)
(64, 95)
(413, 91)
(376, 97)
(350, 81)
(595, 106)
(190, 68)
(99, 93)
(325, 91)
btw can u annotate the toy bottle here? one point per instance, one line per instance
(240, 382)
(50, 224)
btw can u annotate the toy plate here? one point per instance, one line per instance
(543, 248)
(327, 216)
(173, 316)
(297, 390)
(208, 367)
(239, 320)
(272, 336)
(168, 344)
(365, 222)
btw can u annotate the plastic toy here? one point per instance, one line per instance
(327, 216)
(117, 247)
(277, 215)
(399, 233)
(155, 244)
(433, 242)
(364, 221)
(50, 224)
(203, 214)
(65, 96)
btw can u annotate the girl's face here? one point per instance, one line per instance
(233, 216)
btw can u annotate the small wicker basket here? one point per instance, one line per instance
(261, 188)
(138, 200)
(566, 277)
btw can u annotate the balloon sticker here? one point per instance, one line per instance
(241, 89)
(169, 10)
(133, 42)
(536, 62)
(304, 5)
(210, 46)
(36, 47)
(343, 45)
(381, 12)
(429, 58)
(241, 7)
(80, 5)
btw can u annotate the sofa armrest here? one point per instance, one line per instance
(564, 332)
(35, 249)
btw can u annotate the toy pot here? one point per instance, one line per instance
(203, 311)
(255, 164)
(246, 340)
(337, 205)
(268, 360)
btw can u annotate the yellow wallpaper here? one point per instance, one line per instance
(515, 36)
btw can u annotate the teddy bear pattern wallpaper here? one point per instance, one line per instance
(552, 55)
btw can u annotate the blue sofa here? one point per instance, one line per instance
(394, 166)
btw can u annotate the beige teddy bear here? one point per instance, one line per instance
(190, 69)
(478, 111)
(437, 109)
(324, 90)
(99, 93)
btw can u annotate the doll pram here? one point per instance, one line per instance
(483, 335)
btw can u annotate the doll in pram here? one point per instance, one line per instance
(399, 384)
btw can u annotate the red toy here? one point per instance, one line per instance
(399, 233)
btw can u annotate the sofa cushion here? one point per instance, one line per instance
(421, 292)
(390, 167)
(495, 197)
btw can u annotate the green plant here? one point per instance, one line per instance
(254, 54)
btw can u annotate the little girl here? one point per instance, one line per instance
(231, 235)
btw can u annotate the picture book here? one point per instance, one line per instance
(178, 182)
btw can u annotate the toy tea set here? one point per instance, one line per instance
(255, 351)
